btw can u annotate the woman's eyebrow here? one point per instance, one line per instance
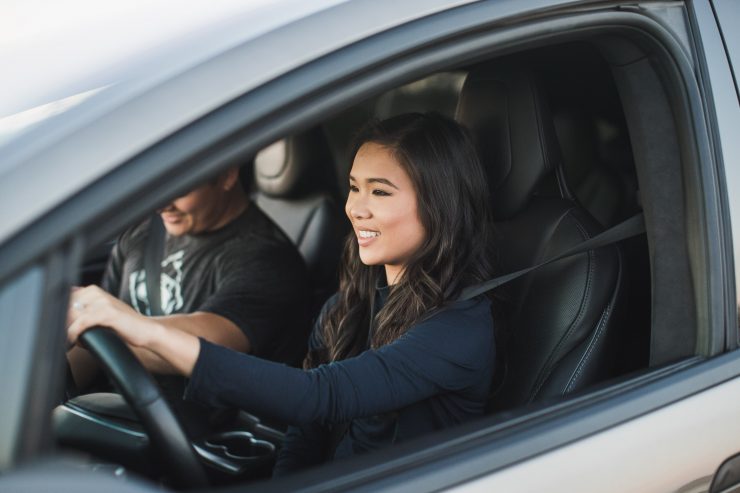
(384, 181)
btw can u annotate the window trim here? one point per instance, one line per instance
(717, 81)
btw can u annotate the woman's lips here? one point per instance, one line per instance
(366, 236)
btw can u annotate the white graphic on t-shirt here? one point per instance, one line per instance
(170, 286)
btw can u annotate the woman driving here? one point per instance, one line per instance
(394, 354)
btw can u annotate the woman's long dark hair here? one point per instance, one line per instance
(453, 204)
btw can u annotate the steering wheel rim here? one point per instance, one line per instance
(144, 396)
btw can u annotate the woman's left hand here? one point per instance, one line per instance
(91, 306)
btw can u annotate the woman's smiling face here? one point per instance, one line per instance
(382, 207)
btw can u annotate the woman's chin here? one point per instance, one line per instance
(369, 259)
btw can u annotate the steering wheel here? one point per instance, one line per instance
(144, 396)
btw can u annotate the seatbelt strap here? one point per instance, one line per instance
(153, 253)
(633, 226)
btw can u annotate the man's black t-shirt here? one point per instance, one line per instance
(248, 272)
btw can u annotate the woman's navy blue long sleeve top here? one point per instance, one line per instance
(435, 375)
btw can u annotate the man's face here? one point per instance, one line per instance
(195, 212)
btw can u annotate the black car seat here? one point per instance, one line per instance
(557, 326)
(296, 186)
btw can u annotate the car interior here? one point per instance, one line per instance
(558, 131)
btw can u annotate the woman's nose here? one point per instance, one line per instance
(357, 208)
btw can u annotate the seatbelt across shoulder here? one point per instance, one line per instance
(633, 226)
(153, 253)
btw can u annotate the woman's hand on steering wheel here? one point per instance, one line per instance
(91, 306)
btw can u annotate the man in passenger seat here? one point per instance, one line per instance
(229, 275)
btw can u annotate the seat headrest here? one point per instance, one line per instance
(510, 123)
(295, 166)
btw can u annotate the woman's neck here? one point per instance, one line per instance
(393, 274)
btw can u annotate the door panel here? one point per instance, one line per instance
(676, 448)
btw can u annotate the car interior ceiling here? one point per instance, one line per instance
(586, 166)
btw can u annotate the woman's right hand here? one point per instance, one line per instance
(91, 306)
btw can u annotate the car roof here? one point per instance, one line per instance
(124, 100)
(59, 49)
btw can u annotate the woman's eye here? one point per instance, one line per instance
(353, 188)
(381, 193)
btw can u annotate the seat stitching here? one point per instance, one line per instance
(594, 340)
(549, 364)
(591, 346)
(540, 126)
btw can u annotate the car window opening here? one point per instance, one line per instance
(552, 130)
